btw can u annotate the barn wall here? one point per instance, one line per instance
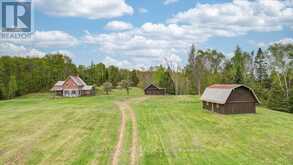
(213, 107)
(154, 91)
(238, 108)
(241, 94)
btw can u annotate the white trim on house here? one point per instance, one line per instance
(71, 93)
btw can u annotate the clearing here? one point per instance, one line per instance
(119, 129)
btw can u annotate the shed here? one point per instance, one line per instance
(154, 90)
(229, 99)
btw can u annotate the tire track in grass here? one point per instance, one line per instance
(127, 111)
(135, 143)
(119, 146)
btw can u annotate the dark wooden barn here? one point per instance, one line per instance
(154, 90)
(229, 99)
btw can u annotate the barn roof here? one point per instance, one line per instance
(152, 85)
(219, 93)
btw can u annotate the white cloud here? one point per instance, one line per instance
(53, 39)
(49, 39)
(142, 10)
(91, 9)
(118, 26)
(122, 63)
(39, 40)
(148, 45)
(284, 41)
(239, 16)
(167, 2)
(10, 49)
(151, 43)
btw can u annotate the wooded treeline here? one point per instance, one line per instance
(269, 72)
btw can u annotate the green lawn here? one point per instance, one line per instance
(39, 129)
(175, 130)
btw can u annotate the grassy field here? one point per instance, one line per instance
(39, 129)
(175, 130)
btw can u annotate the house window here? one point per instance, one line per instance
(66, 93)
(218, 106)
(207, 103)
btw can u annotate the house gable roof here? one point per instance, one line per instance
(219, 93)
(59, 86)
(78, 81)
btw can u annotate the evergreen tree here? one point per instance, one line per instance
(277, 100)
(238, 66)
(260, 66)
(167, 82)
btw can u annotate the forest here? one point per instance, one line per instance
(268, 71)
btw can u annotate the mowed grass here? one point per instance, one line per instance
(39, 129)
(175, 130)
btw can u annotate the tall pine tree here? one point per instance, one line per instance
(261, 66)
(238, 66)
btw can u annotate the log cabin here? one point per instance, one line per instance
(154, 90)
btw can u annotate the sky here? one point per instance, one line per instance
(139, 34)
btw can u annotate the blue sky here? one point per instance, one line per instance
(135, 34)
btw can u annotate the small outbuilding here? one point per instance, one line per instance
(154, 90)
(229, 99)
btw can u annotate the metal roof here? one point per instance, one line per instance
(219, 93)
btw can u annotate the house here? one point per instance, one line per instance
(229, 99)
(73, 86)
(154, 90)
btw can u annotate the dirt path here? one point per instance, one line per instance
(127, 111)
(135, 144)
(118, 148)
